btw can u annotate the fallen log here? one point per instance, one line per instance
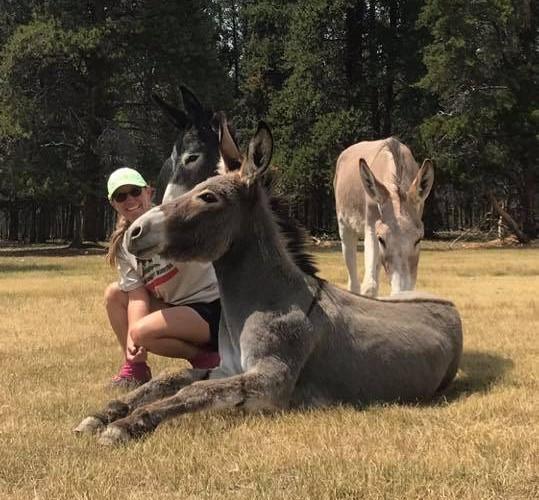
(511, 223)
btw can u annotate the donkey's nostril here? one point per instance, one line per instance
(136, 232)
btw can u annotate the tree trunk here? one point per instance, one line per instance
(529, 226)
(373, 71)
(235, 48)
(67, 223)
(99, 111)
(41, 226)
(14, 225)
(353, 52)
(32, 224)
(76, 240)
(90, 218)
(432, 218)
(391, 49)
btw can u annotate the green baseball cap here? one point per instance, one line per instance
(124, 177)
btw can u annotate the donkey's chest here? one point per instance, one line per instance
(246, 340)
(230, 352)
(234, 344)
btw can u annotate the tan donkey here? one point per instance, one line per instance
(379, 195)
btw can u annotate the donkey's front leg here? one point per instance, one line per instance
(160, 387)
(267, 385)
(349, 239)
(369, 286)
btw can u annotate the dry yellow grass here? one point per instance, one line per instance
(479, 442)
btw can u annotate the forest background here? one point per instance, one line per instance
(454, 79)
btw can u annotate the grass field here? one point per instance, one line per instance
(481, 441)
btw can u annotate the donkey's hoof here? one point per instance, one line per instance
(90, 425)
(114, 435)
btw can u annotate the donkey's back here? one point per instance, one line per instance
(390, 161)
(406, 348)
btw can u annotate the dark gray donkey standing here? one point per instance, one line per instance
(195, 153)
(287, 338)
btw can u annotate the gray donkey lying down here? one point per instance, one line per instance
(287, 338)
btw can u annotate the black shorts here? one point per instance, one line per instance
(210, 313)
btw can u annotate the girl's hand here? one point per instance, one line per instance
(135, 353)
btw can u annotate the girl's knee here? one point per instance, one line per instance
(113, 295)
(139, 335)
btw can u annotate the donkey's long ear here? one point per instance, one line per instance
(258, 154)
(230, 153)
(423, 181)
(177, 117)
(192, 105)
(375, 190)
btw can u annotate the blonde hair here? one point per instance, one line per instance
(116, 238)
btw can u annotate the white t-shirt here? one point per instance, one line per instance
(173, 283)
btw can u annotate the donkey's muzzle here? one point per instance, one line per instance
(145, 237)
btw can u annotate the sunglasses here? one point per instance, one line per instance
(133, 192)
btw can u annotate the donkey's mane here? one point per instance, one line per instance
(294, 235)
(393, 146)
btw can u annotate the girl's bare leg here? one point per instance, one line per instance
(175, 332)
(116, 305)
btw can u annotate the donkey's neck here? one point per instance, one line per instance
(258, 267)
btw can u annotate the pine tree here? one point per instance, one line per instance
(75, 86)
(482, 66)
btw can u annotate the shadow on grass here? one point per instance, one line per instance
(20, 267)
(52, 251)
(478, 372)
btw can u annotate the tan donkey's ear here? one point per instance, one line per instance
(230, 153)
(423, 181)
(258, 155)
(375, 190)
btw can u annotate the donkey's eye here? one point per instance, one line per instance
(191, 159)
(208, 197)
(382, 242)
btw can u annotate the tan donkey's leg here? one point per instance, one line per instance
(349, 240)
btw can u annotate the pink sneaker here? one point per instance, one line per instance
(132, 375)
(205, 360)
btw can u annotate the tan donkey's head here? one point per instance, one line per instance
(398, 226)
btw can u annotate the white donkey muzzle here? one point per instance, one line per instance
(145, 236)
